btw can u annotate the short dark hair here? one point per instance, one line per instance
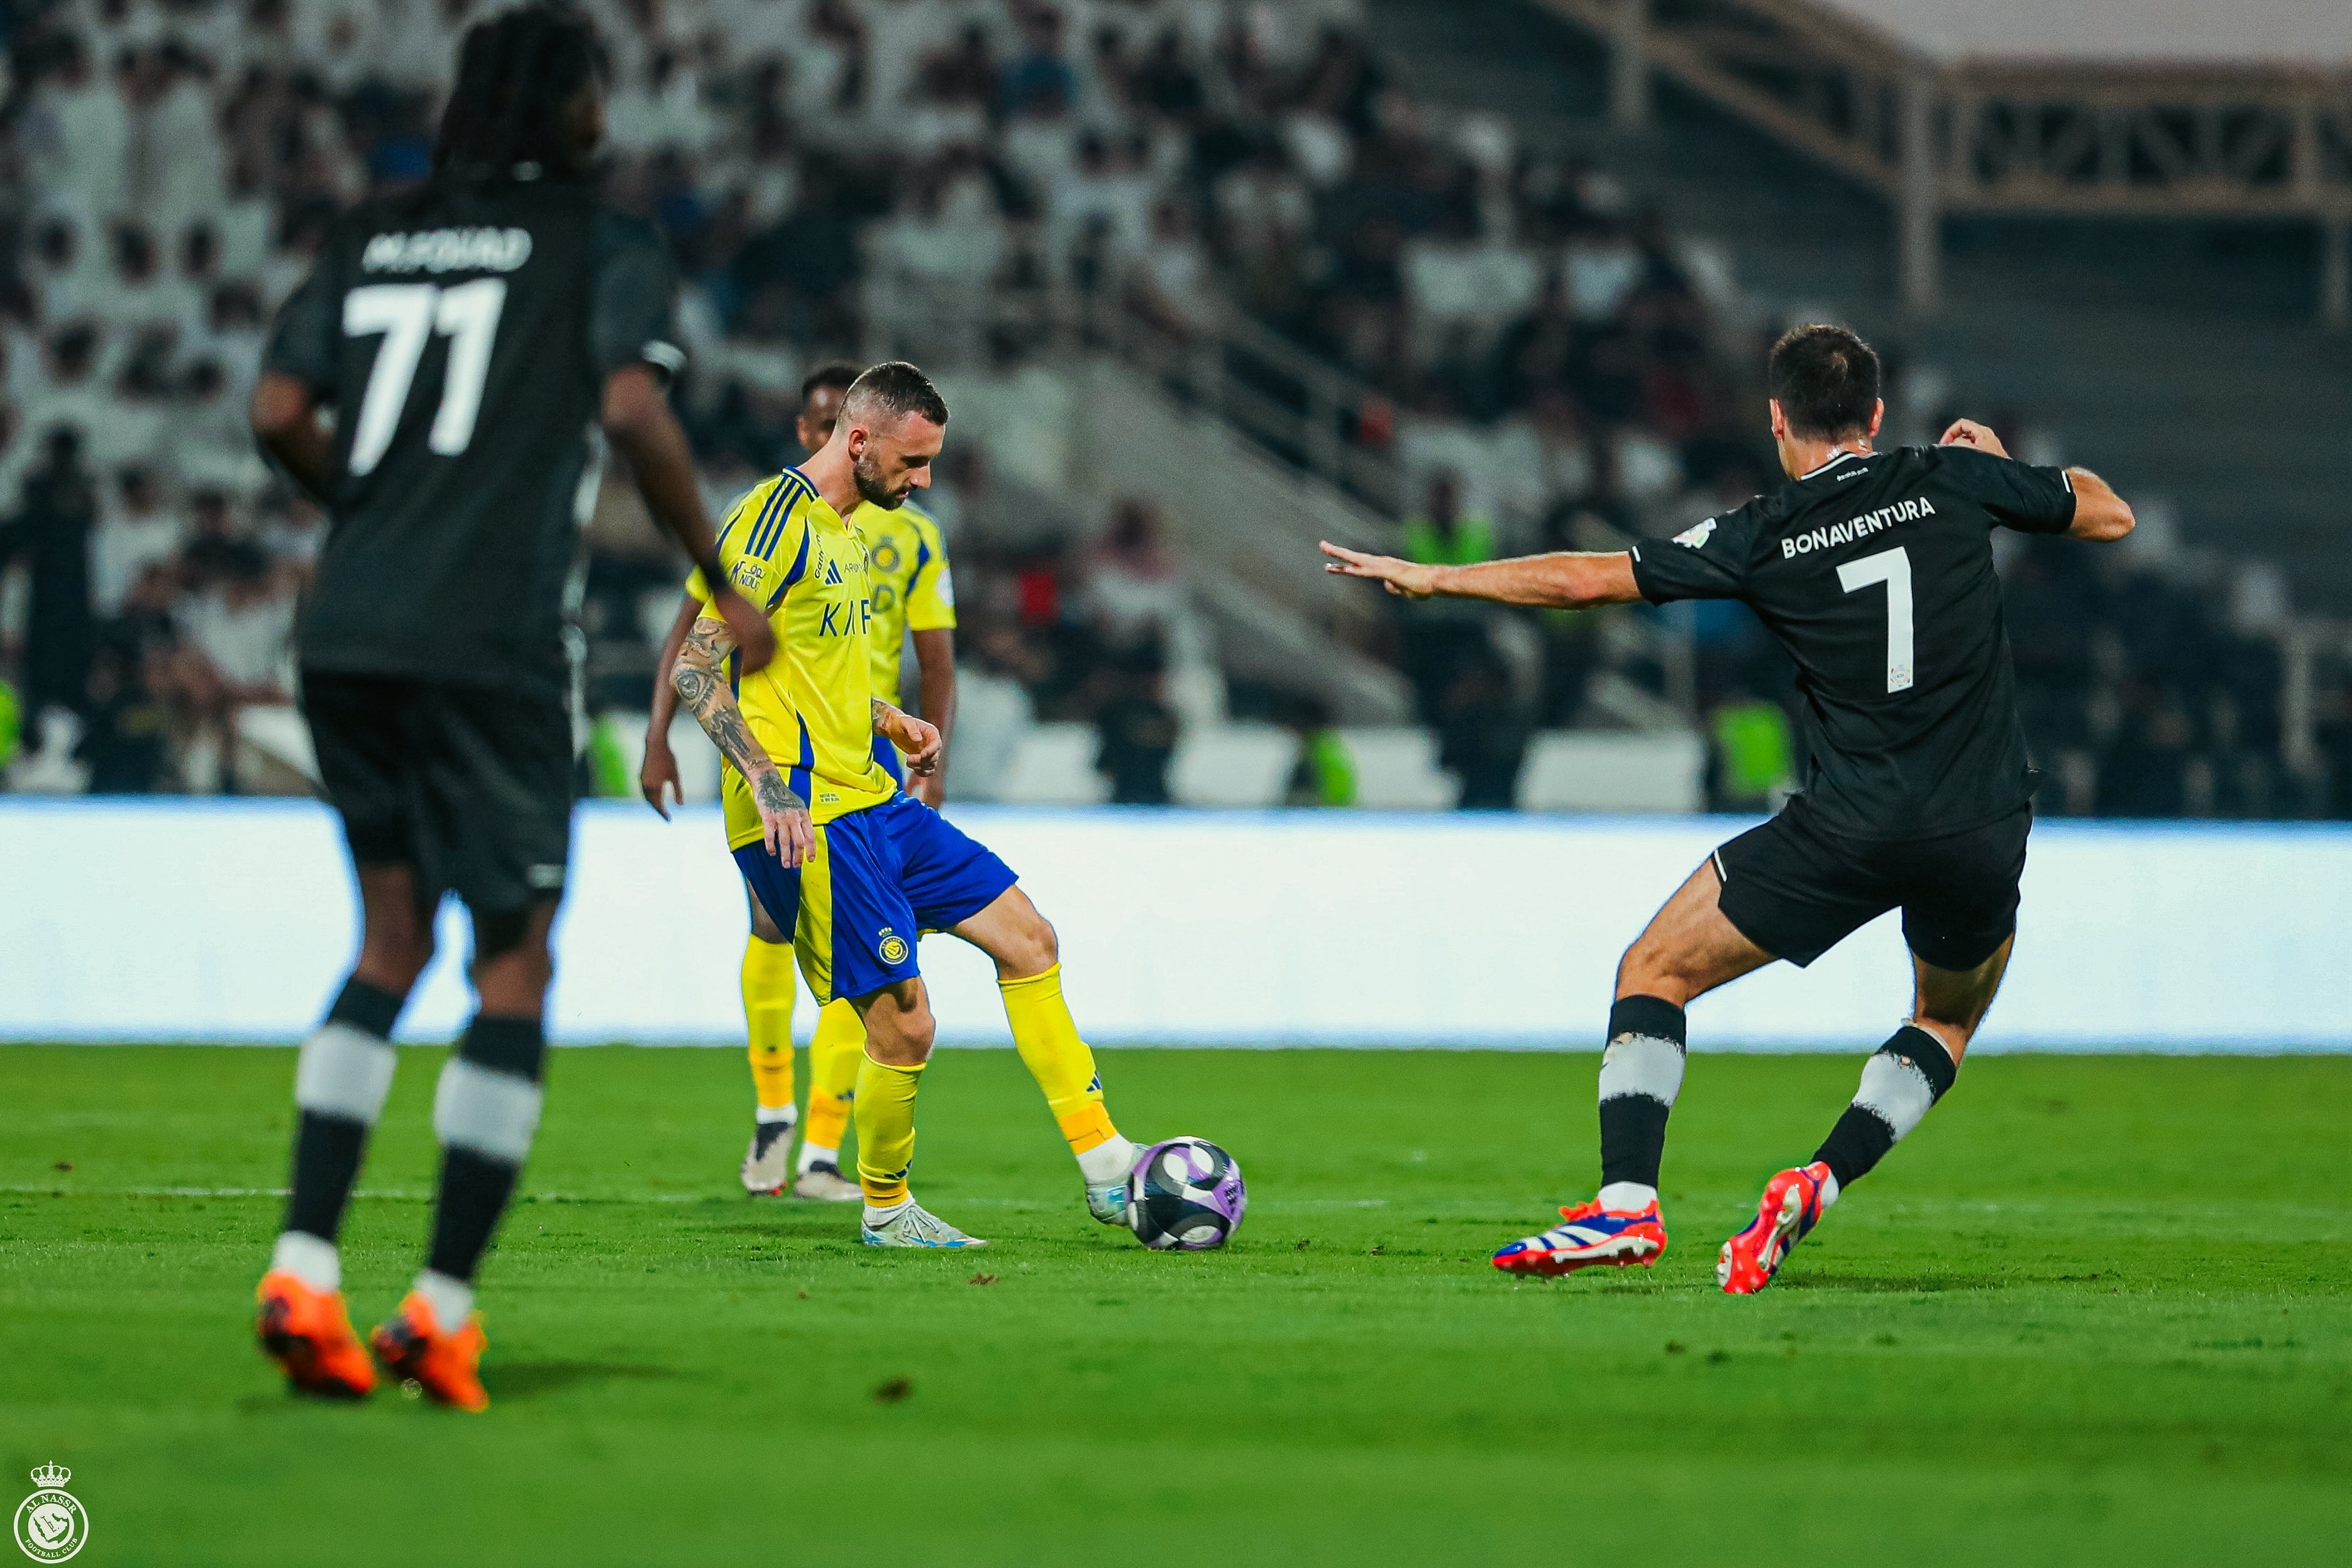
(515, 72)
(895, 387)
(839, 374)
(1826, 381)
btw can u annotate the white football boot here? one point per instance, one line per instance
(824, 1184)
(767, 1175)
(915, 1225)
(1107, 1202)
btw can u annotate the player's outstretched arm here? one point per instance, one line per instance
(699, 677)
(638, 422)
(2100, 514)
(918, 740)
(1567, 579)
(659, 771)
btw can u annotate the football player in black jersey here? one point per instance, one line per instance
(1875, 570)
(467, 334)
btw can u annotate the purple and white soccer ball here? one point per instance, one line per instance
(1186, 1195)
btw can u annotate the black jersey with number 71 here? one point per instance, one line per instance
(463, 335)
(1875, 573)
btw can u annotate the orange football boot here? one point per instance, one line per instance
(1587, 1235)
(412, 1348)
(308, 1335)
(1790, 1207)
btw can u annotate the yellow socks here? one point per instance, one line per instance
(885, 1129)
(834, 1055)
(1060, 1062)
(768, 1020)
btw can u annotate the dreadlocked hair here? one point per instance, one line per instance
(515, 72)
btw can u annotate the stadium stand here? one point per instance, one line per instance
(1205, 282)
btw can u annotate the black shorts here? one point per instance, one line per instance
(470, 785)
(1797, 891)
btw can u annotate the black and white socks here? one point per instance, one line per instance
(1900, 1084)
(340, 1083)
(1641, 1073)
(485, 1112)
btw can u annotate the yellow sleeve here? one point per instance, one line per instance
(762, 544)
(931, 592)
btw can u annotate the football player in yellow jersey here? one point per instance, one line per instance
(834, 850)
(911, 592)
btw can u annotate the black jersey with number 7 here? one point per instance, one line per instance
(464, 335)
(1875, 573)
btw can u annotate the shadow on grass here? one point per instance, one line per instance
(530, 1379)
(795, 1227)
(1891, 1284)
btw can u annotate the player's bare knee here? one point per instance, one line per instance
(392, 956)
(1031, 948)
(1648, 969)
(899, 1036)
(916, 1031)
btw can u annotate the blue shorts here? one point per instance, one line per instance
(893, 762)
(878, 879)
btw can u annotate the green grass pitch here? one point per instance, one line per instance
(2094, 1310)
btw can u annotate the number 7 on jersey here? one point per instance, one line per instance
(1892, 567)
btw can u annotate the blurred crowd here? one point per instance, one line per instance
(1544, 363)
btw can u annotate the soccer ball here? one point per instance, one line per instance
(1186, 1195)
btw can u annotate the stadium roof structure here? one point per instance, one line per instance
(2184, 109)
(2294, 35)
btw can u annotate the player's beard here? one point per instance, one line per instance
(868, 473)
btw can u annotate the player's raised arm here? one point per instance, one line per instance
(2099, 514)
(1566, 579)
(700, 677)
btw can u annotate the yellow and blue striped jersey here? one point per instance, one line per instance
(912, 591)
(785, 550)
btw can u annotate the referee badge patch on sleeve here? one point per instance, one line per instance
(1696, 536)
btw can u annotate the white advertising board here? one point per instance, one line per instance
(233, 921)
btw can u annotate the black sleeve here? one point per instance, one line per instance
(1709, 561)
(305, 342)
(2018, 495)
(633, 313)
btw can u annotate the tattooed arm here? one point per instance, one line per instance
(699, 679)
(919, 739)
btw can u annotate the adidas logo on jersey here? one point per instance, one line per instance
(833, 574)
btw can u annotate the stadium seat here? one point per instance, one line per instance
(1629, 771)
(1054, 765)
(1243, 765)
(1396, 770)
